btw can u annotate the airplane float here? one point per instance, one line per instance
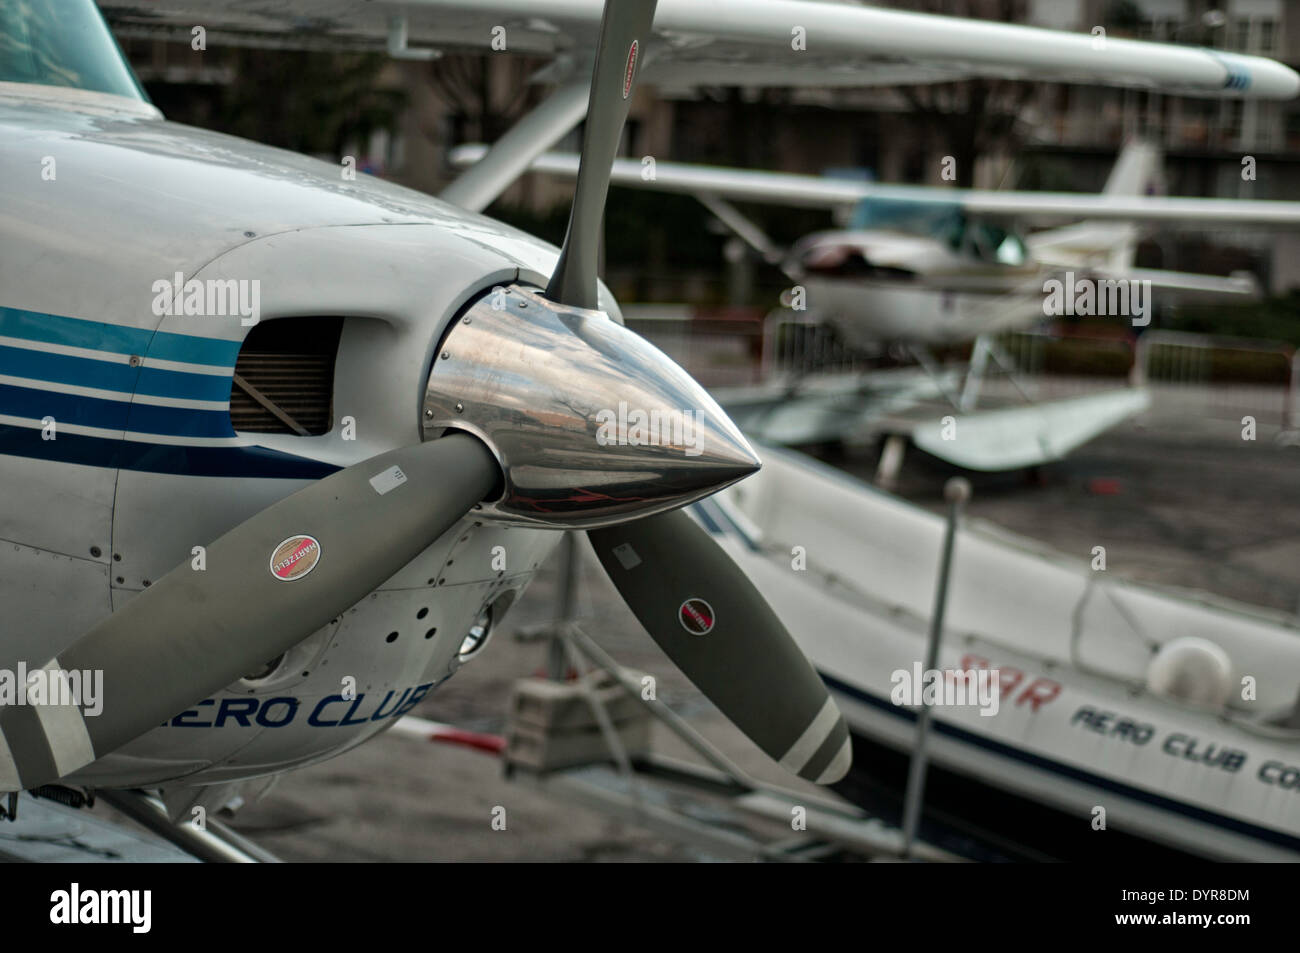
(262, 573)
(1127, 720)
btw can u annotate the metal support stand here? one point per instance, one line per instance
(557, 659)
(214, 842)
(984, 350)
(568, 644)
(1008, 365)
(932, 368)
(956, 491)
(979, 357)
(891, 461)
(671, 796)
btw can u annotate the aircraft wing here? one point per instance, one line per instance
(729, 42)
(810, 191)
(1012, 437)
(1242, 283)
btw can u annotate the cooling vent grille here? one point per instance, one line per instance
(287, 363)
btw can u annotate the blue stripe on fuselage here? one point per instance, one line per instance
(34, 403)
(99, 336)
(104, 375)
(248, 462)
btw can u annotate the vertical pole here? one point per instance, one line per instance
(557, 661)
(1291, 412)
(956, 491)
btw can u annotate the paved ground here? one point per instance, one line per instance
(1175, 500)
(1182, 502)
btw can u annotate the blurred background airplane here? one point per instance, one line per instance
(933, 266)
(922, 267)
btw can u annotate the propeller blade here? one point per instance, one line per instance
(711, 621)
(624, 27)
(268, 584)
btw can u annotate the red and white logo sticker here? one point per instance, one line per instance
(630, 71)
(696, 616)
(294, 558)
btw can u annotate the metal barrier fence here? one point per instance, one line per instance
(734, 351)
(1219, 377)
(718, 352)
(1188, 375)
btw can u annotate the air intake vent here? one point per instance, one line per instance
(284, 379)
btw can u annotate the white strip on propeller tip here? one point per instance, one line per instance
(9, 780)
(839, 765)
(813, 737)
(65, 732)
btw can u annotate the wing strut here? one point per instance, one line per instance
(512, 154)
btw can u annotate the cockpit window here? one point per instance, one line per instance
(62, 43)
(996, 244)
(933, 218)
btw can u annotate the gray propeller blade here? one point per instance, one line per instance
(268, 584)
(711, 621)
(624, 27)
(669, 571)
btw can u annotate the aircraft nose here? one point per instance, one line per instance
(591, 423)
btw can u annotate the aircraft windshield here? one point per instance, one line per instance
(62, 43)
(932, 219)
(944, 222)
(997, 244)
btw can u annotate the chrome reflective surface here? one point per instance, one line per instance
(592, 424)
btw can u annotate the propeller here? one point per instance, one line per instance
(287, 571)
(267, 585)
(683, 588)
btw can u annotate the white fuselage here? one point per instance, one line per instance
(143, 465)
(884, 286)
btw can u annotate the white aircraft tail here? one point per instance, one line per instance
(1104, 244)
(1136, 171)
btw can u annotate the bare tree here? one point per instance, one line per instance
(977, 116)
(486, 93)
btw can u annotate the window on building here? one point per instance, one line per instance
(1267, 35)
(1230, 120)
(1241, 34)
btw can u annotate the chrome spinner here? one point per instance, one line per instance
(591, 423)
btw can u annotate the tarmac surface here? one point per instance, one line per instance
(1178, 501)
